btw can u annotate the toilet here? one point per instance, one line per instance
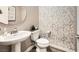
(41, 43)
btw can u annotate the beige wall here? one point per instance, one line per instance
(32, 19)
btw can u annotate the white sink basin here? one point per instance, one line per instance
(14, 38)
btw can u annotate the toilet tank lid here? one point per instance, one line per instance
(42, 40)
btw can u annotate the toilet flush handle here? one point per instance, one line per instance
(49, 33)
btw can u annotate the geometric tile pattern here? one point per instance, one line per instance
(62, 23)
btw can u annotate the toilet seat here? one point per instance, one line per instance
(42, 42)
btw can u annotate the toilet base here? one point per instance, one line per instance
(41, 49)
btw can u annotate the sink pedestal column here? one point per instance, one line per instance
(16, 47)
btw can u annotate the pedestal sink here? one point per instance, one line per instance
(14, 39)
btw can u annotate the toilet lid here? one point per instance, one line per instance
(42, 41)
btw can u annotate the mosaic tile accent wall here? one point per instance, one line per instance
(61, 21)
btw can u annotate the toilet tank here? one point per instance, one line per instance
(35, 35)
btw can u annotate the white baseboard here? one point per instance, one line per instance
(60, 49)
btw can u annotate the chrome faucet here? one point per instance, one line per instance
(14, 31)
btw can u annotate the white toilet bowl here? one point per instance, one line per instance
(42, 44)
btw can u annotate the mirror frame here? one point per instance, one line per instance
(11, 14)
